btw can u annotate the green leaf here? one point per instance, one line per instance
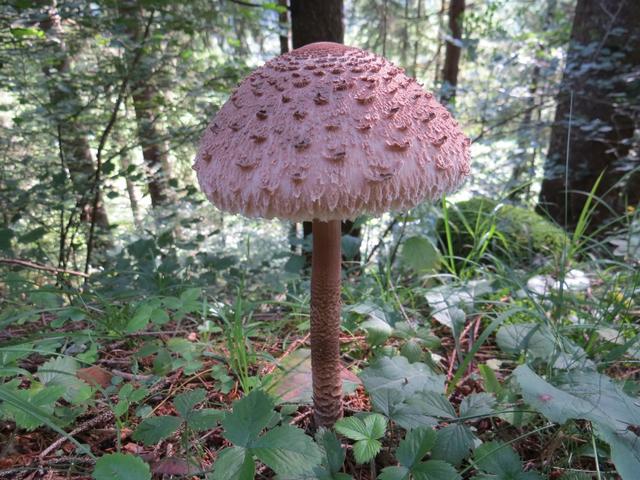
(27, 32)
(352, 427)
(153, 429)
(120, 466)
(415, 446)
(185, 402)
(435, 405)
(390, 380)
(365, 450)
(419, 254)
(412, 350)
(140, 319)
(365, 430)
(453, 443)
(411, 414)
(359, 428)
(394, 473)
(287, 450)
(434, 470)
(501, 460)
(159, 316)
(376, 425)
(30, 408)
(62, 371)
(233, 463)
(191, 295)
(250, 416)
(540, 342)
(204, 419)
(588, 395)
(477, 405)
(333, 452)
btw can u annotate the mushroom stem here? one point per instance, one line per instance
(325, 323)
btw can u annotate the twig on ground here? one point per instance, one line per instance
(92, 422)
(131, 376)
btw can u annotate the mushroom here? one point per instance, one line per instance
(363, 139)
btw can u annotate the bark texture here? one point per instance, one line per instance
(283, 23)
(604, 114)
(315, 21)
(325, 323)
(452, 51)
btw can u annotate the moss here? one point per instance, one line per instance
(520, 234)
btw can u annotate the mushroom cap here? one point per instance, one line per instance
(329, 132)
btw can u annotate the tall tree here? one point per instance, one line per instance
(147, 99)
(66, 107)
(452, 51)
(283, 25)
(313, 21)
(596, 115)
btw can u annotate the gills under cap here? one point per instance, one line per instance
(329, 132)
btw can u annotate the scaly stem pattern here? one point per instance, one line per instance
(325, 323)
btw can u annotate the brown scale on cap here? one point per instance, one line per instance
(359, 111)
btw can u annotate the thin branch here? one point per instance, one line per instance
(39, 266)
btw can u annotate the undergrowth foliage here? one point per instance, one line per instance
(462, 362)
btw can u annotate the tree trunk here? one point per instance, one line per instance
(283, 23)
(452, 52)
(595, 115)
(66, 105)
(125, 164)
(154, 150)
(145, 95)
(313, 21)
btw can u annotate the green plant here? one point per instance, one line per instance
(252, 429)
(472, 228)
(410, 453)
(241, 355)
(121, 466)
(588, 395)
(366, 431)
(498, 461)
(154, 429)
(333, 456)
